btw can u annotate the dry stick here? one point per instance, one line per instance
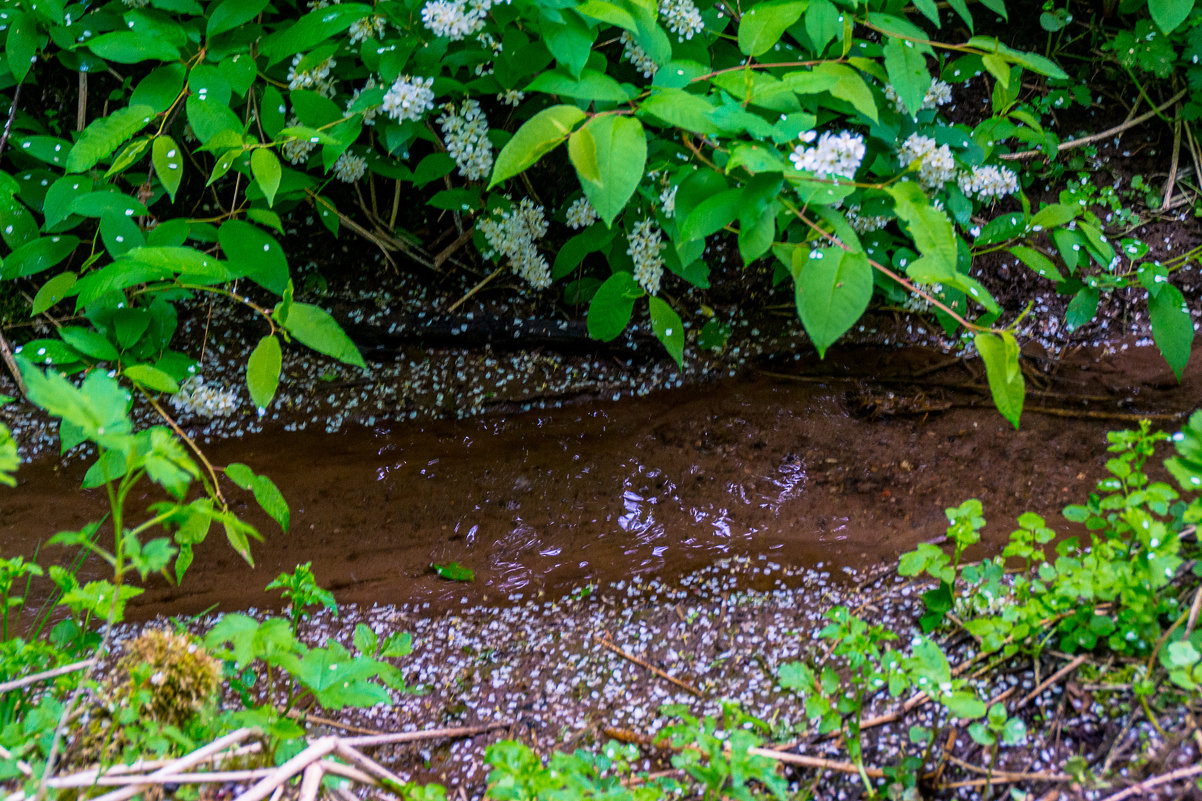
(46, 674)
(321, 747)
(1085, 140)
(1168, 185)
(684, 685)
(387, 778)
(801, 760)
(1050, 680)
(311, 783)
(23, 766)
(81, 107)
(296, 714)
(153, 764)
(1145, 786)
(450, 249)
(1194, 609)
(198, 756)
(1008, 776)
(474, 290)
(346, 771)
(210, 777)
(429, 734)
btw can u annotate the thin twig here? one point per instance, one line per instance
(46, 674)
(1176, 159)
(429, 734)
(684, 685)
(801, 760)
(387, 778)
(1050, 680)
(10, 361)
(475, 289)
(320, 748)
(12, 115)
(1145, 786)
(202, 754)
(1085, 140)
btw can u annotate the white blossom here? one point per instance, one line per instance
(197, 397)
(465, 134)
(369, 114)
(513, 235)
(296, 150)
(835, 154)
(455, 19)
(682, 18)
(935, 163)
(367, 28)
(646, 242)
(988, 182)
(667, 201)
(409, 98)
(865, 224)
(938, 94)
(315, 77)
(581, 213)
(511, 97)
(637, 55)
(349, 167)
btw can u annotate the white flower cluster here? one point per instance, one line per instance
(317, 5)
(297, 150)
(935, 163)
(646, 241)
(349, 167)
(409, 98)
(916, 303)
(369, 114)
(581, 214)
(865, 224)
(835, 154)
(465, 134)
(667, 201)
(513, 236)
(939, 94)
(207, 401)
(682, 18)
(988, 182)
(136, 3)
(367, 28)
(511, 97)
(455, 19)
(489, 41)
(316, 77)
(637, 55)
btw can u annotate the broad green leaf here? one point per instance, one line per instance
(453, 572)
(607, 12)
(263, 371)
(89, 342)
(1168, 14)
(265, 167)
(310, 30)
(151, 377)
(573, 251)
(833, 288)
(907, 70)
(229, 14)
(49, 149)
(1039, 263)
(61, 196)
(849, 87)
(38, 255)
(168, 163)
(763, 24)
(538, 136)
(160, 88)
(1082, 307)
(271, 500)
(680, 109)
(21, 44)
(590, 85)
(668, 328)
(1006, 383)
(52, 292)
(210, 117)
(1172, 328)
(254, 253)
(620, 147)
(102, 136)
(132, 47)
(319, 331)
(569, 40)
(713, 213)
(963, 704)
(931, 230)
(98, 408)
(612, 304)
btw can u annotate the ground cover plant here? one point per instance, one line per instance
(813, 135)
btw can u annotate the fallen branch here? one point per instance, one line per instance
(62, 670)
(1145, 786)
(801, 760)
(429, 734)
(1050, 680)
(666, 677)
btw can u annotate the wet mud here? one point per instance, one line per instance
(843, 463)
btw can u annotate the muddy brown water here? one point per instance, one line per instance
(822, 469)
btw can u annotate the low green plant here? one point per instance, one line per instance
(716, 753)
(519, 774)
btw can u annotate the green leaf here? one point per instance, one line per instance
(668, 328)
(271, 500)
(1172, 329)
(713, 213)
(453, 572)
(620, 147)
(151, 377)
(680, 109)
(1005, 377)
(1039, 263)
(254, 253)
(962, 704)
(310, 30)
(52, 292)
(538, 136)
(1168, 14)
(607, 12)
(38, 255)
(168, 163)
(132, 47)
(907, 70)
(265, 167)
(318, 330)
(590, 85)
(230, 14)
(160, 88)
(833, 288)
(263, 371)
(850, 88)
(88, 342)
(102, 136)
(763, 24)
(120, 233)
(21, 44)
(570, 41)
(1082, 307)
(612, 304)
